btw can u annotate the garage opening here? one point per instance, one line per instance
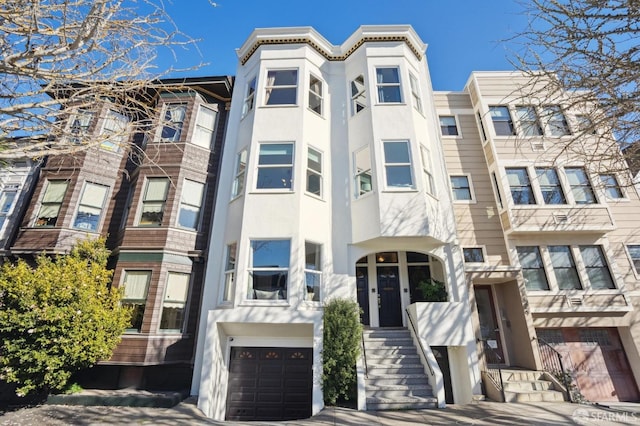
(269, 384)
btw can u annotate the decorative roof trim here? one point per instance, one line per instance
(324, 52)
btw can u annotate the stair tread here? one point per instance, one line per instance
(402, 399)
(397, 387)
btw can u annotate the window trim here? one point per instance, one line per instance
(632, 260)
(361, 94)
(548, 112)
(588, 185)
(183, 203)
(541, 260)
(199, 128)
(268, 89)
(427, 166)
(607, 266)
(124, 301)
(251, 268)
(164, 123)
(291, 166)
(617, 187)
(143, 200)
(415, 93)
(472, 200)
(529, 186)
(531, 122)
(397, 84)
(314, 94)
(85, 185)
(59, 203)
(318, 173)
(456, 124)
(358, 184)
(483, 251)
(249, 100)
(240, 174)
(106, 145)
(316, 272)
(574, 267)
(409, 164)
(559, 186)
(508, 121)
(230, 273)
(185, 304)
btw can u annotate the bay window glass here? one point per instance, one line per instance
(314, 172)
(90, 207)
(205, 123)
(556, 122)
(114, 130)
(426, 170)
(564, 268)
(388, 83)
(173, 120)
(532, 268)
(580, 185)
(190, 204)
(550, 186)
(153, 202)
(415, 93)
(315, 94)
(174, 302)
(611, 187)
(281, 87)
(362, 171)
(51, 203)
(358, 95)
(229, 272)
(597, 268)
(269, 269)
(528, 119)
(398, 164)
(634, 253)
(313, 270)
(275, 166)
(501, 118)
(520, 186)
(79, 124)
(136, 286)
(240, 173)
(249, 97)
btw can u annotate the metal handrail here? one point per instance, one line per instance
(364, 355)
(565, 379)
(424, 353)
(499, 358)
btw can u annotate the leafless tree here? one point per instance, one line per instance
(59, 59)
(589, 49)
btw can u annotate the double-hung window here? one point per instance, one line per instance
(153, 202)
(528, 119)
(7, 197)
(388, 83)
(90, 207)
(313, 270)
(51, 203)
(315, 94)
(597, 268)
(79, 124)
(564, 268)
(580, 185)
(611, 187)
(520, 186)
(136, 286)
(550, 186)
(114, 131)
(314, 172)
(190, 204)
(461, 188)
(556, 121)
(585, 125)
(269, 269)
(426, 170)
(173, 120)
(398, 164)
(249, 97)
(358, 95)
(532, 268)
(473, 255)
(175, 300)
(502, 123)
(415, 93)
(448, 126)
(275, 166)
(205, 123)
(229, 272)
(362, 171)
(281, 87)
(240, 173)
(634, 254)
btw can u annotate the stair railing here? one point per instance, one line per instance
(415, 332)
(364, 356)
(493, 357)
(544, 348)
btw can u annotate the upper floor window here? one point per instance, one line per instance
(240, 172)
(358, 95)
(532, 268)
(114, 130)
(415, 92)
(550, 186)
(584, 124)
(564, 268)
(426, 169)
(136, 286)
(153, 202)
(313, 270)
(448, 125)
(174, 115)
(205, 124)
(315, 94)
(363, 174)
(611, 187)
(7, 198)
(597, 268)
(51, 203)
(580, 186)
(90, 207)
(275, 166)
(174, 302)
(528, 119)
(229, 271)
(190, 204)
(269, 269)
(555, 120)
(398, 164)
(281, 87)
(481, 126)
(502, 123)
(634, 254)
(388, 82)
(314, 172)
(249, 97)
(473, 255)
(520, 186)
(79, 124)
(461, 187)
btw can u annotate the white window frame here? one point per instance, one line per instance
(455, 124)
(270, 296)
(402, 164)
(316, 93)
(190, 204)
(382, 86)
(170, 124)
(203, 132)
(606, 187)
(127, 301)
(313, 172)
(427, 166)
(240, 174)
(231, 257)
(558, 186)
(497, 120)
(82, 203)
(552, 115)
(415, 93)
(84, 118)
(313, 272)
(180, 303)
(116, 136)
(249, 96)
(528, 185)
(358, 90)
(361, 186)
(271, 87)
(540, 259)
(144, 202)
(472, 200)
(528, 121)
(632, 260)
(573, 188)
(6, 209)
(290, 166)
(607, 266)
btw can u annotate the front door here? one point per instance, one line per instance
(489, 330)
(389, 305)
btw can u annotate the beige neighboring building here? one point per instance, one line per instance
(551, 248)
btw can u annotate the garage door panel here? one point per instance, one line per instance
(235, 397)
(270, 397)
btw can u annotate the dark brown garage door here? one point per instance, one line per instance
(269, 384)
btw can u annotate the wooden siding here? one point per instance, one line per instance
(550, 219)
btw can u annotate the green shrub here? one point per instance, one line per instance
(341, 349)
(432, 291)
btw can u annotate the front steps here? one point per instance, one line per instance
(529, 386)
(396, 378)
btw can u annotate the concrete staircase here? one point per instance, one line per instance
(396, 379)
(529, 386)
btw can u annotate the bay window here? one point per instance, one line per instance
(275, 166)
(174, 302)
(597, 268)
(564, 268)
(240, 173)
(114, 131)
(520, 186)
(229, 272)
(580, 185)
(532, 268)
(281, 87)
(136, 286)
(358, 95)
(190, 204)
(550, 186)
(388, 83)
(51, 203)
(314, 172)
(313, 270)
(398, 164)
(315, 94)
(153, 202)
(205, 124)
(269, 269)
(362, 171)
(90, 207)
(173, 120)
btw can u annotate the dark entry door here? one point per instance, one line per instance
(362, 284)
(442, 357)
(492, 343)
(269, 384)
(389, 306)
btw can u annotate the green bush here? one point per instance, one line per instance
(341, 349)
(432, 291)
(57, 317)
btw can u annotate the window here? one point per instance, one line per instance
(415, 93)
(190, 204)
(249, 97)
(550, 186)
(585, 125)
(79, 124)
(564, 268)
(114, 131)
(269, 269)
(314, 172)
(473, 255)
(362, 171)
(555, 120)
(358, 95)
(580, 186)
(528, 119)
(388, 80)
(136, 285)
(275, 166)
(90, 207)
(634, 253)
(175, 299)
(313, 270)
(448, 126)
(398, 164)
(597, 269)
(315, 94)
(426, 169)
(205, 124)
(241, 170)
(501, 118)
(481, 125)
(532, 268)
(461, 188)
(174, 115)
(51, 203)
(155, 196)
(7, 197)
(611, 187)
(229, 272)
(520, 186)
(281, 87)
(496, 188)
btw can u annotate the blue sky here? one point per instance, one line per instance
(462, 35)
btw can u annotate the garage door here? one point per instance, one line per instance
(269, 383)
